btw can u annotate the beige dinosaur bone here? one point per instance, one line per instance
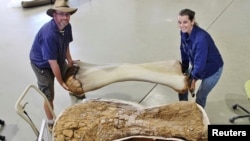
(88, 77)
(110, 119)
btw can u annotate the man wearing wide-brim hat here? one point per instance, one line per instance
(50, 54)
(60, 10)
(62, 6)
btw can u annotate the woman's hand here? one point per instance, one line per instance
(192, 87)
(193, 84)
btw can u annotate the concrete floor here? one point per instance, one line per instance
(124, 31)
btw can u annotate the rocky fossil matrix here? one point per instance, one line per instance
(107, 120)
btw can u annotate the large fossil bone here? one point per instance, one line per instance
(84, 77)
(110, 119)
(34, 3)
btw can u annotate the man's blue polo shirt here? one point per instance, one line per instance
(50, 44)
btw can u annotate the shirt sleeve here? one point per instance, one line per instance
(184, 56)
(200, 56)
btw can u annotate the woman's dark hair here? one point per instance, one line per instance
(188, 12)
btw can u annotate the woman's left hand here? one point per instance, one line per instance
(192, 86)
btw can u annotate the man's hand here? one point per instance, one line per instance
(65, 86)
(72, 62)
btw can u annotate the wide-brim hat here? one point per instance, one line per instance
(62, 6)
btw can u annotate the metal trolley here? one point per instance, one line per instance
(42, 134)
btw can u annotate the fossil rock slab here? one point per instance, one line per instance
(109, 119)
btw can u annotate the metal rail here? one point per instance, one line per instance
(20, 107)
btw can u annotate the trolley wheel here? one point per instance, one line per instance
(235, 106)
(232, 120)
(2, 122)
(2, 138)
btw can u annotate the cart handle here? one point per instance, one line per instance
(19, 107)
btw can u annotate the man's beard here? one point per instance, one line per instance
(63, 24)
